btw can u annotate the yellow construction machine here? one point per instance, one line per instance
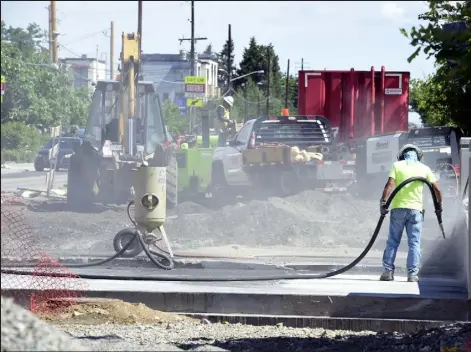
(125, 129)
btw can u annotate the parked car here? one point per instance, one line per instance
(66, 148)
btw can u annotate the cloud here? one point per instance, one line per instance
(391, 11)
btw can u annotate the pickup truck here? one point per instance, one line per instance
(274, 139)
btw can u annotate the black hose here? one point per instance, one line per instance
(256, 278)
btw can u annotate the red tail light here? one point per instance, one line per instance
(252, 140)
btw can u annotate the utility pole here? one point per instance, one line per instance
(112, 51)
(192, 49)
(287, 87)
(268, 80)
(192, 40)
(55, 58)
(139, 33)
(51, 43)
(302, 64)
(229, 61)
(96, 65)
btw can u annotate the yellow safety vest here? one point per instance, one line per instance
(227, 115)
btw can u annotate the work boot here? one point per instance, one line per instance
(387, 276)
(412, 278)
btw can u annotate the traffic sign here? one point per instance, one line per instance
(195, 80)
(194, 102)
(195, 86)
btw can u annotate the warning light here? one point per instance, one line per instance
(285, 112)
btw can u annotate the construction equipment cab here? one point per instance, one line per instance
(101, 169)
(281, 153)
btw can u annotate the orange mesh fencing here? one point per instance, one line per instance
(49, 280)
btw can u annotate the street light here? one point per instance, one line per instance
(248, 74)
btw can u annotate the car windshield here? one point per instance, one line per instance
(306, 105)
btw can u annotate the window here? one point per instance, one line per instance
(155, 128)
(94, 124)
(243, 135)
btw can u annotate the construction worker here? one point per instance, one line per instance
(407, 210)
(226, 124)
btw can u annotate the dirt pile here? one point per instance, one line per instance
(109, 312)
(312, 219)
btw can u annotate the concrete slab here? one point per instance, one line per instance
(343, 296)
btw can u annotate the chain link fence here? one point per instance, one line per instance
(49, 281)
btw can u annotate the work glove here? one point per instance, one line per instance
(382, 207)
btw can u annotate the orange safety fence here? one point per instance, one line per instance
(49, 280)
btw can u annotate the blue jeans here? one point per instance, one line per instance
(412, 220)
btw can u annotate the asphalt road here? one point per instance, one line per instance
(24, 176)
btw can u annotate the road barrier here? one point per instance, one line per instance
(49, 280)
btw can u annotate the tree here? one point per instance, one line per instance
(223, 63)
(252, 60)
(176, 122)
(450, 46)
(38, 93)
(209, 49)
(428, 100)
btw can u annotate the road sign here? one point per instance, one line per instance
(195, 86)
(4, 87)
(195, 80)
(194, 102)
(181, 102)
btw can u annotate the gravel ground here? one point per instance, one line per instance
(237, 337)
(22, 331)
(307, 220)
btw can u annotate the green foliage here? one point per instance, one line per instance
(20, 142)
(444, 98)
(176, 122)
(209, 49)
(251, 92)
(38, 93)
(428, 100)
(223, 57)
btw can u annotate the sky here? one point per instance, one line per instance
(335, 35)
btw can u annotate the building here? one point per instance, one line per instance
(86, 71)
(168, 72)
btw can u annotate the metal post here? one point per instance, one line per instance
(51, 40)
(139, 33)
(302, 64)
(258, 104)
(245, 97)
(55, 58)
(268, 80)
(229, 61)
(112, 51)
(192, 47)
(96, 65)
(287, 86)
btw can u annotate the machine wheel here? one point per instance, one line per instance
(122, 238)
(219, 187)
(172, 183)
(78, 194)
